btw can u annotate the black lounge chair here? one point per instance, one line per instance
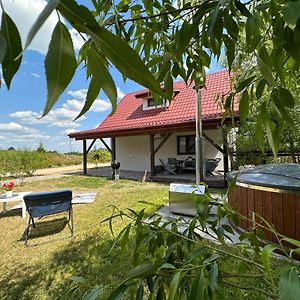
(44, 204)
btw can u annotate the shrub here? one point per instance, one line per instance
(99, 156)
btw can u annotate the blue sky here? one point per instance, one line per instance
(22, 105)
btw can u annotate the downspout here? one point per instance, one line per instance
(199, 140)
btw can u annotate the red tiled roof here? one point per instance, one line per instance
(130, 116)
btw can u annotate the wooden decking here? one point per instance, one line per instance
(216, 181)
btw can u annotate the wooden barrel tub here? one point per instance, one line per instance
(271, 191)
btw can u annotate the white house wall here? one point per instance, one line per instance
(133, 152)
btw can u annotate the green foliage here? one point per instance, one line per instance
(11, 46)
(172, 259)
(258, 39)
(41, 148)
(99, 156)
(20, 163)
(60, 64)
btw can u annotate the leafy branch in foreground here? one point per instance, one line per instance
(153, 42)
(201, 258)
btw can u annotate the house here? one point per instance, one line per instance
(142, 132)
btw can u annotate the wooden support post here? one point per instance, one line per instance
(152, 155)
(91, 145)
(106, 146)
(84, 152)
(225, 154)
(162, 142)
(213, 143)
(113, 148)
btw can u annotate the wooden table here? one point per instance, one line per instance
(17, 197)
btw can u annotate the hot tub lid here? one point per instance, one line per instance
(280, 176)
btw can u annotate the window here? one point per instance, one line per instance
(186, 144)
(150, 102)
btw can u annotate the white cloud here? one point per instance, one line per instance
(24, 14)
(15, 128)
(35, 75)
(78, 41)
(121, 94)
(78, 94)
(66, 131)
(100, 105)
(63, 116)
(15, 132)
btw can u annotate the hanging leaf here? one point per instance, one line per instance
(265, 71)
(140, 293)
(93, 294)
(197, 291)
(288, 285)
(286, 97)
(92, 93)
(244, 106)
(102, 75)
(143, 270)
(213, 277)
(60, 64)
(174, 285)
(3, 46)
(265, 256)
(43, 16)
(118, 292)
(273, 129)
(245, 83)
(291, 12)
(242, 8)
(169, 85)
(280, 108)
(259, 131)
(260, 88)
(77, 14)
(230, 51)
(10, 34)
(125, 59)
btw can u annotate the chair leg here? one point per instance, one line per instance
(27, 232)
(71, 227)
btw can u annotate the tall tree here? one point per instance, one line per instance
(153, 42)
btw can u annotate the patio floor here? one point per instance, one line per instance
(216, 181)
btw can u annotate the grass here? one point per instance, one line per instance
(44, 271)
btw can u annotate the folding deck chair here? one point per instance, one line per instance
(43, 204)
(168, 168)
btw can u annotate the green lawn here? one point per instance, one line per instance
(44, 271)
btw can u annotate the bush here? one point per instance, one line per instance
(99, 156)
(19, 163)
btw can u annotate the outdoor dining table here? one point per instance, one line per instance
(16, 197)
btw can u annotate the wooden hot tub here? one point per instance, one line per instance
(273, 192)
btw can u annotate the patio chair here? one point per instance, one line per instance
(168, 168)
(39, 205)
(211, 164)
(172, 161)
